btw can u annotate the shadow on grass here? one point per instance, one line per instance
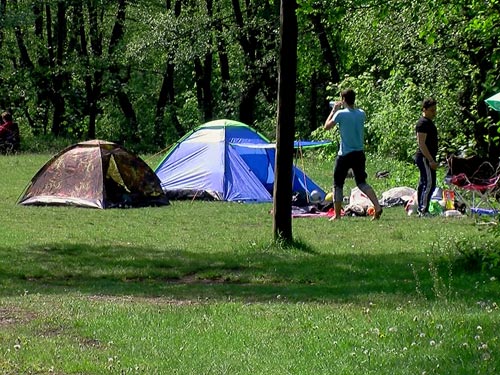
(295, 244)
(292, 275)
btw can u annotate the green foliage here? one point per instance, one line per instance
(328, 152)
(394, 54)
(481, 255)
(404, 68)
(44, 143)
(188, 113)
(401, 173)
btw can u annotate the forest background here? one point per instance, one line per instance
(143, 73)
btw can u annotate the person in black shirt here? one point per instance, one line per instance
(425, 158)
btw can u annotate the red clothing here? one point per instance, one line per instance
(7, 129)
(9, 135)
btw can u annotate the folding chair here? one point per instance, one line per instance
(477, 188)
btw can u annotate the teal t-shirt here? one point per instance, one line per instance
(351, 123)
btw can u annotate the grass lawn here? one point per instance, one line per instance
(200, 288)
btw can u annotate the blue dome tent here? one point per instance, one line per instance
(224, 160)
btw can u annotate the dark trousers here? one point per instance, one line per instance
(356, 161)
(426, 184)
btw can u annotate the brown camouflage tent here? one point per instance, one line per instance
(96, 174)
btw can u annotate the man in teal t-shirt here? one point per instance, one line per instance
(351, 123)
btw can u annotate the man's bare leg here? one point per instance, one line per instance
(370, 193)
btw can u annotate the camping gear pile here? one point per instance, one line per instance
(359, 204)
(443, 203)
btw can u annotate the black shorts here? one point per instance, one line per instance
(355, 160)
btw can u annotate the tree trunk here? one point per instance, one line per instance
(326, 49)
(285, 130)
(203, 73)
(208, 103)
(166, 97)
(59, 77)
(223, 62)
(121, 75)
(313, 100)
(3, 4)
(93, 81)
(203, 88)
(254, 47)
(41, 117)
(247, 104)
(206, 81)
(166, 92)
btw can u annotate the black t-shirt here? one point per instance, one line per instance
(425, 125)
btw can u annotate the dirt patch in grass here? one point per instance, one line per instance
(11, 316)
(196, 279)
(136, 299)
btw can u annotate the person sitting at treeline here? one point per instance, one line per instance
(9, 134)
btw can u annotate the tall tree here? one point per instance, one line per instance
(223, 62)
(93, 78)
(166, 97)
(253, 34)
(120, 74)
(285, 130)
(203, 70)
